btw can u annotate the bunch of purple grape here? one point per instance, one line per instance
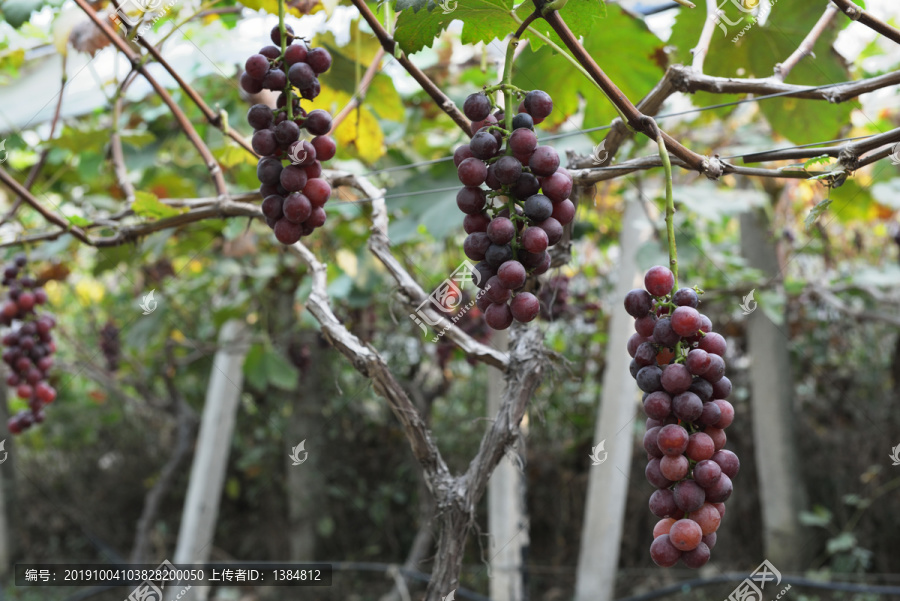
(29, 346)
(511, 224)
(677, 362)
(294, 195)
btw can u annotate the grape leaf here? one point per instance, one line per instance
(148, 205)
(78, 220)
(17, 12)
(359, 130)
(483, 21)
(580, 15)
(816, 212)
(270, 6)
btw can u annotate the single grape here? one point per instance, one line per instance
(525, 307)
(544, 161)
(538, 104)
(501, 231)
(318, 122)
(475, 245)
(658, 404)
(686, 406)
(318, 217)
(286, 133)
(726, 412)
(526, 186)
(663, 526)
(498, 316)
(293, 178)
(564, 212)
(685, 534)
(472, 172)
(507, 170)
(664, 334)
(638, 302)
(557, 187)
(523, 121)
(534, 240)
(295, 53)
(646, 353)
(718, 436)
(470, 200)
(659, 280)
(325, 147)
(706, 473)
(476, 223)
(297, 208)
(696, 557)
(259, 116)
(484, 145)
(676, 378)
(700, 447)
(651, 442)
(714, 344)
(702, 389)
(275, 79)
(256, 67)
(301, 76)
(710, 415)
(697, 361)
(522, 141)
(709, 540)
(662, 504)
(720, 491)
(287, 232)
(268, 170)
(672, 439)
(728, 461)
(674, 467)
(686, 297)
(654, 474)
(272, 207)
(477, 106)
(511, 275)
(538, 208)
(319, 59)
(462, 153)
(276, 35)
(316, 190)
(716, 369)
(648, 378)
(250, 85)
(498, 254)
(663, 552)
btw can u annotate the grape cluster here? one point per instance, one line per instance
(677, 362)
(28, 345)
(511, 224)
(294, 195)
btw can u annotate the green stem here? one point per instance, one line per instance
(508, 119)
(670, 206)
(289, 100)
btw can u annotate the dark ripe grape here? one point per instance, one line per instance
(525, 307)
(498, 316)
(633, 368)
(648, 378)
(462, 153)
(718, 436)
(720, 491)
(702, 389)
(259, 116)
(710, 539)
(646, 353)
(697, 361)
(674, 467)
(544, 264)
(501, 230)
(728, 461)
(495, 292)
(686, 297)
(511, 275)
(482, 302)
(663, 552)
(710, 415)
(557, 187)
(312, 91)
(538, 104)
(523, 121)
(275, 79)
(325, 147)
(658, 404)
(287, 232)
(659, 280)
(45, 393)
(276, 35)
(256, 67)
(655, 476)
(475, 245)
(722, 388)
(498, 254)
(486, 272)
(687, 406)
(471, 199)
(708, 518)
(662, 504)
(302, 76)
(664, 334)
(318, 122)
(700, 447)
(28, 282)
(297, 208)
(634, 343)
(484, 145)
(523, 141)
(317, 191)
(696, 558)
(272, 207)
(552, 228)
(287, 132)
(302, 153)
(544, 161)
(534, 240)
(24, 391)
(317, 219)
(685, 321)
(564, 212)
(538, 208)
(279, 117)
(477, 125)
(319, 59)
(685, 534)
(726, 413)
(314, 170)
(706, 473)
(476, 223)
(526, 186)
(472, 172)
(714, 344)
(706, 328)
(531, 260)
(268, 171)
(638, 302)
(293, 178)
(20, 259)
(676, 378)
(663, 526)
(295, 53)
(491, 180)
(271, 223)
(716, 369)
(250, 85)
(672, 439)
(477, 106)
(508, 170)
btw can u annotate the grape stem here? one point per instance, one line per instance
(670, 206)
(508, 117)
(289, 100)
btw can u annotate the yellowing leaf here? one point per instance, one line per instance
(231, 155)
(270, 6)
(359, 131)
(89, 292)
(148, 205)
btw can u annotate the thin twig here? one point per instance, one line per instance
(806, 46)
(47, 214)
(863, 16)
(709, 27)
(360, 93)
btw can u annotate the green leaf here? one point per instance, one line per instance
(17, 12)
(280, 372)
(816, 212)
(820, 160)
(148, 205)
(78, 220)
(842, 542)
(231, 155)
(819, 516)
(255, 367)
(137, 138)
(582, 17)
(483, 21)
